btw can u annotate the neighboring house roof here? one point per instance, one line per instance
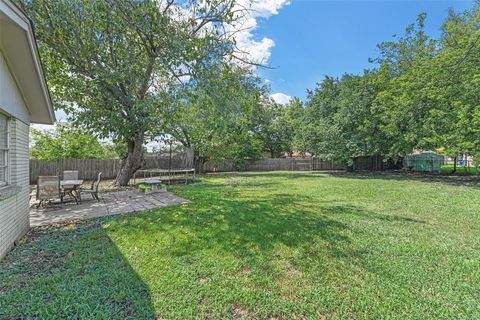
(296, 154)
(19, 48)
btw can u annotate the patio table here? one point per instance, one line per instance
(155, 184)
(72, 188)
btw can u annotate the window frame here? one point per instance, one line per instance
(6, 154)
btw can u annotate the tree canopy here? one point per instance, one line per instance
(68, 142)
(212, 117)
(423, 94)
(112, 65)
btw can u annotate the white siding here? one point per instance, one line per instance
(14, 199)
(11, 101)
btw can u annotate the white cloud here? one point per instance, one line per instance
(248, 12)
(281, 98)
(249, 48)
(267, 8)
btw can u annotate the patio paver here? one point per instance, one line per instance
(111, 203)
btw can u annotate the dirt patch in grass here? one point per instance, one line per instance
(239, 313)
(290, 275)
(202, 280)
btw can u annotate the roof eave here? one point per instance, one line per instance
(25, 24)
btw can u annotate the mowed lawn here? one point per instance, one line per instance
(263, 246)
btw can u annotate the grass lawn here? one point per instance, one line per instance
(460, 169)
(268, 246)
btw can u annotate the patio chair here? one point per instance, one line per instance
(70, 175)
(48, 190)
(70, 190)
(94, 188)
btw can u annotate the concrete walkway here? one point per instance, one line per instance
(111, 203)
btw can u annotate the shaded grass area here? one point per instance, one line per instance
(263, 245)
(71, 271)
(460, 169)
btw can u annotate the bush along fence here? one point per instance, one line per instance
(89, 168)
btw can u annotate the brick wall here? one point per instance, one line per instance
(14, 201)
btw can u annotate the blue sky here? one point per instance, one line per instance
(314, 38)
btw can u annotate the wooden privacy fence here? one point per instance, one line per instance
(374, 163)
(88, 169)
(223, 165)
(323, 164)
(292, 164)
(272, 164)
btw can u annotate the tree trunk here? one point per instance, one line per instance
(198, 162)
(454, 165)
(132, 162)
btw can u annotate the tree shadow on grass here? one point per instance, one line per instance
(285, 175)
(234, 222)
(263, 241)
(71, 271)
(266, 231)
(255, 228)
(366, 214)
(451, 180)
(77, 271)
(394, 175)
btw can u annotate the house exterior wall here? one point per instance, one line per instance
(14, 198)
(11, 100)
(14, 201)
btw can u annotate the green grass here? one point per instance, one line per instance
(460, 169)
(267, 246)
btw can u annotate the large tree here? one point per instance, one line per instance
(111, 64)
(454, 76)
(401, 105)
(340, 122)
(212, 118)
(275, 124)
(423, 95)
(432, 102)
(67, 142)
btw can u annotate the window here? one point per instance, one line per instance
(4, 144)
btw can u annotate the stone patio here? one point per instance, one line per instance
(111, 203)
